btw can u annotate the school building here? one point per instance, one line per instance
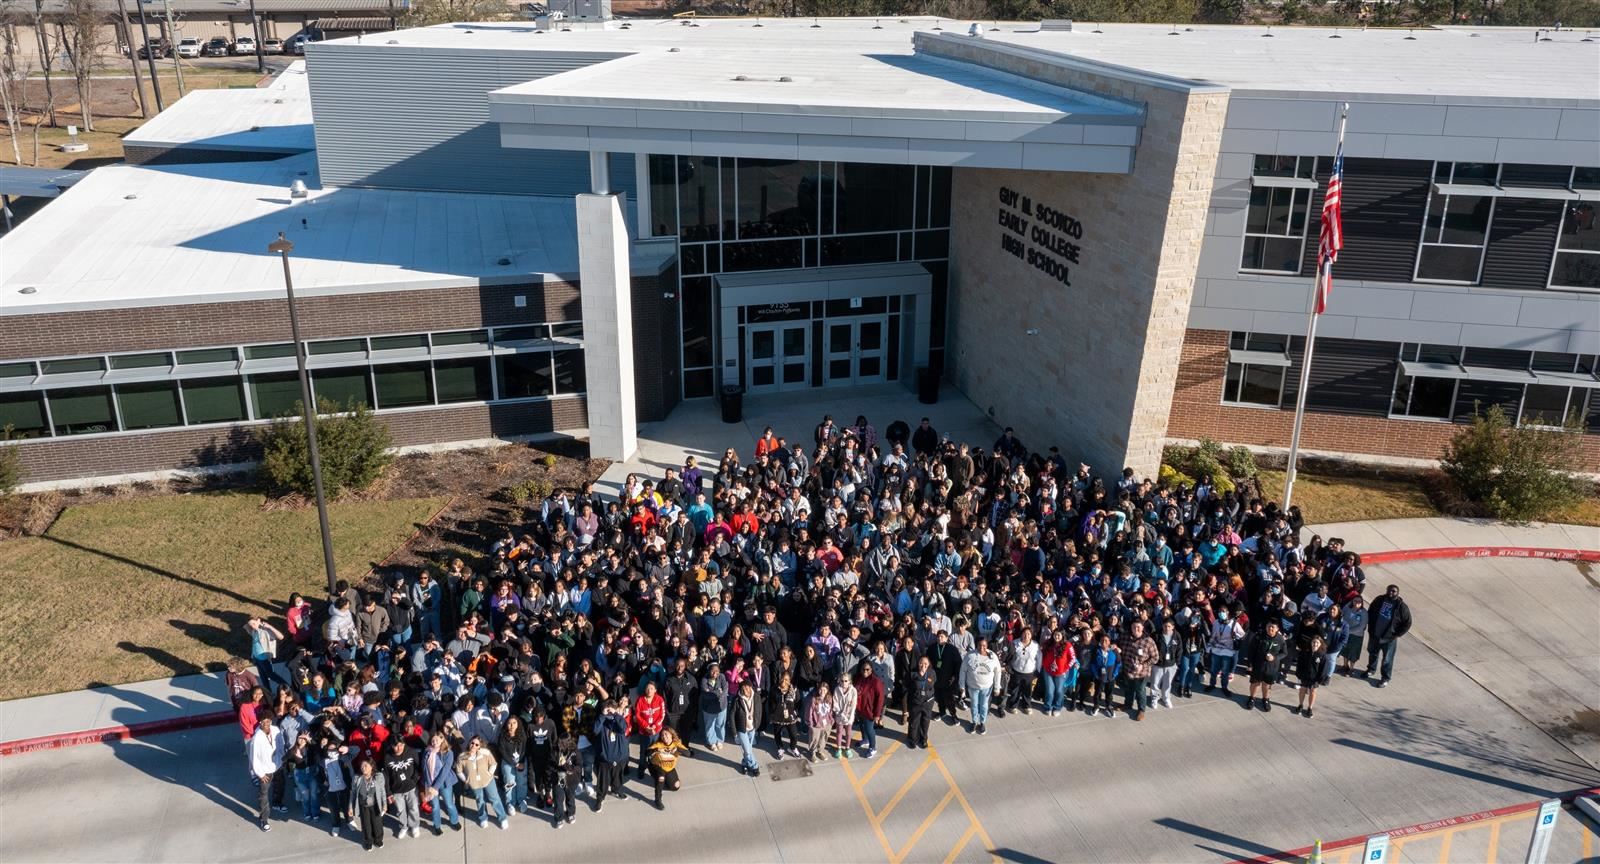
(1103, 235)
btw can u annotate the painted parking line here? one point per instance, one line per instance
(952, 795)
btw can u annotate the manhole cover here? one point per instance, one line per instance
(789, 769)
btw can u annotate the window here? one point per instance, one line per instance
(1425, 396)
(275, 394)
(82, 410)
(1577, 258)
(873, 197)
(1551, 404)
(1257, 363)
(344, 387)
(413, 343)
(23, 414)
(463, 380)
(72, 367)
(149, 406)
(141, 361)
(525, 375)
(461, 340)
(16, 370)
(215, 400)
(1275, 224)
(569, 372)
(403, 385)
(663, 195)
(769, 198)
(269, 352)
(1455, 227)
(207, 355)
(338, 346)
(512, 335)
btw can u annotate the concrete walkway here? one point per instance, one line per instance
(164, 704)
(1389, 535)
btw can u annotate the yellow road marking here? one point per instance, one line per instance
(988, 844)
(887, 752)
(961, 844)
(906, 787)
(921, 829)
(1444, 847)
(1494, 842)
(861, 796)
(1588, 842)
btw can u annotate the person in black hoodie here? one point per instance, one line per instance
(540, 755)
(680, 696)
(401, 769)
(565, 771)
(1389, 620)
(1267, 652)
(511, 748)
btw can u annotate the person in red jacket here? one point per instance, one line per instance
(869, 707)
(1056, 670)
(369, 735)
(649, 715)
(766, 443)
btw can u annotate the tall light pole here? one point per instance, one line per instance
(308, 411)
(255, 30)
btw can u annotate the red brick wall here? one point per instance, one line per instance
(72, 458)
(1198, 412)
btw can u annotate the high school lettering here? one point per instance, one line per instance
(1050, 234)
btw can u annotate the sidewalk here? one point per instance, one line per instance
(1374, 540)
(191, 701)
(121, 711)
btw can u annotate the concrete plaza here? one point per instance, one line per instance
(1493, 704)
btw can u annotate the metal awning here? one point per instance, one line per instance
(37, 182)
(1257, 358)
(1284, 182)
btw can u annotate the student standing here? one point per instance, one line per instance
(1313, 667)
(477, 768)
(1389, 620)
(1266, 658)
(980, 673)
(266, 758)
(920, 692)
(401, 772)
(746, 723)
(869, 707)
(819, 719)
(439, 778)
(369, 796)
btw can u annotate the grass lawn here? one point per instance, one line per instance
(132, 590)
(1327, 498)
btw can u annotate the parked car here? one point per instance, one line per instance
(272, 46)
(244, 45)
(188, 46)
(216, 47)
(156, 49)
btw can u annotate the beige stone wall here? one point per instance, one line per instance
(1098, 377)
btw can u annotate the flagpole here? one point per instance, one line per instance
(1324, 272)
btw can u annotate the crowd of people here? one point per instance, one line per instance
(790, 604)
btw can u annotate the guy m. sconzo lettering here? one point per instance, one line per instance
(1039, 234)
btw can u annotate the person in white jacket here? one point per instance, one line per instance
(980, 676)
(266, 757)
(844, 713)
(1225, 635)
(1025, 659)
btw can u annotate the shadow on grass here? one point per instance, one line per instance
(166, 574)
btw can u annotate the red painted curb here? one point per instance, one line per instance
(1411, 830)
(115, 733)
(1480, 552)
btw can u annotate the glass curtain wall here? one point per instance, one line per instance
(737, 215)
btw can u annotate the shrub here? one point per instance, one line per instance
(1514, 472)
(526, 492)
(10, 464)
(1241, 462)
(549, 461)
(353, 445)
(1172, 478)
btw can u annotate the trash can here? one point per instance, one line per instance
(732, 404)
(927, 385)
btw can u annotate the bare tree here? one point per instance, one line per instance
(83, 38)
(41, 31)
(13, 78)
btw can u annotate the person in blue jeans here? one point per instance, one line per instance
(980, 675)
(478, 769)
(714, 707)
(746, 723)
(512, 747)
(1191, 658)
(439, 782)
(264, 650)
(1225, 635)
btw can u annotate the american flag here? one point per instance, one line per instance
(1332, 237)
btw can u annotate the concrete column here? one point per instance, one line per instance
(605, 290)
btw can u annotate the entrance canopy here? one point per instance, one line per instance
(780, 95)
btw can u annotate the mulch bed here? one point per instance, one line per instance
(473, 479)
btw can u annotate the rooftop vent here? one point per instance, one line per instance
(28, 290)
(1268, 34)
(504, 262)
(1049, 24)
(1409, 36)
(392, 42)
(297, 189)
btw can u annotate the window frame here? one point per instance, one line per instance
(1244, 368)
(1578, 196)
(1423, 243)
(1400, 372)
(1278, 182)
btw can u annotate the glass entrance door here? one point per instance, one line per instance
(777, 357)
(857, 350)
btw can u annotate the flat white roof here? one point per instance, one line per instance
(144, 236)
(275, 118)
(1481, 63)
